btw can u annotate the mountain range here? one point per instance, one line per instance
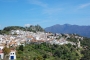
(67, 28)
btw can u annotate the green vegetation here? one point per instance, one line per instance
(49, 52)
(9, 28)
(46, 51)
(85, 43)
(72, 40)
(86, 49)
(32, 28)
(6, 50)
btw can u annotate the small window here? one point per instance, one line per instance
(13, 53)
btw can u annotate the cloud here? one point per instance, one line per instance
(38, 2)
(84, 5)
(27, 25)
(51, 11)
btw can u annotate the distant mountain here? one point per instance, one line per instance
(67, 28)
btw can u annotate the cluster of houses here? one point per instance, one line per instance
(19, 37)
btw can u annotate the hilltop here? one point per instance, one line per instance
(31, 28)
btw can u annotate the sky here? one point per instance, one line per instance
(44, 12)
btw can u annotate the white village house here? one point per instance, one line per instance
(12, 55)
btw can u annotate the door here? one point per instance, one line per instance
(12, 57)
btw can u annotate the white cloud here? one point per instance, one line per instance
(51, 10)
(27, 25)
(84, 5)
(38, 2)
(46, 9)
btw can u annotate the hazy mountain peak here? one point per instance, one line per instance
(67, 24)
(67, 28)
(57, 25)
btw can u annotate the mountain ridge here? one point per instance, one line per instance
(68, 28)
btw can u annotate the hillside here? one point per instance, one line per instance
(67, 28)
(31, 28)
(47, 51)
(47, 46)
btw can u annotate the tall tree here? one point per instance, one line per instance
(21, 47)
(6, 50)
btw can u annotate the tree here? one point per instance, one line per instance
(21, 47)
(38, 58)
(6, 50)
